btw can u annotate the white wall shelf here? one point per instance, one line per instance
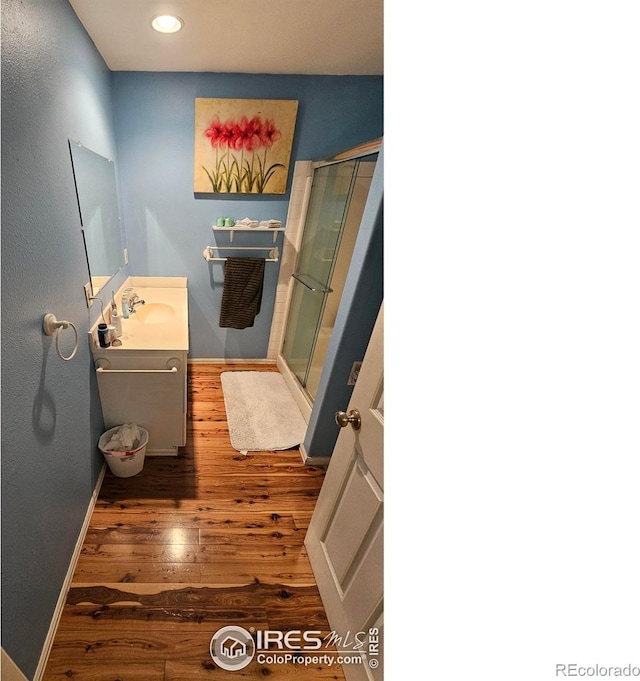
(231, 230)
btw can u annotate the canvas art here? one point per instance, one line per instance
(243, 146)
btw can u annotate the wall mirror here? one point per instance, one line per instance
(95, 179)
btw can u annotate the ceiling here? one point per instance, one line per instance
(330, 37)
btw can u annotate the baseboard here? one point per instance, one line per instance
(62, 598)
(226, 360)
(307, 460)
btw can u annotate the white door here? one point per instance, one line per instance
(345, 536)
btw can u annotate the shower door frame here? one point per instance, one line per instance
(300, 392)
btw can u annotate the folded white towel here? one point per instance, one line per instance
(271, 224)
(247, 222)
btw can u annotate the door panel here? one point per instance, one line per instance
(359, 504)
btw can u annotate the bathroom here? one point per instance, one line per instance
(57, 88)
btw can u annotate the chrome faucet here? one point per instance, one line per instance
(134, 300)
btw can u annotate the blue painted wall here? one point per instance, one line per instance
(168, 226)
(54, 87)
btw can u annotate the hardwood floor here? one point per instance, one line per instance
(193, 543)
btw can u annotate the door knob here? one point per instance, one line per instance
(353, 417)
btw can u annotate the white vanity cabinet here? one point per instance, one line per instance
(142, 379)
(148, 388)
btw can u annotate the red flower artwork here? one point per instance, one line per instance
(241, 145)
(250, 135)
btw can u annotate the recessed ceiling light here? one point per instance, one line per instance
(167, 23)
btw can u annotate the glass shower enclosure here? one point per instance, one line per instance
(336, 204)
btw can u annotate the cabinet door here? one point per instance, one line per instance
(146, 391)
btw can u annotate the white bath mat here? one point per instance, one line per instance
(261, 413)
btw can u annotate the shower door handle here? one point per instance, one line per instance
(316, 287)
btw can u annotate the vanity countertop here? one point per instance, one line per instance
(160, 331)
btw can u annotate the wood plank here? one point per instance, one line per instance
(117, 643)
(102, 521)
(136, 553)
(254, 536)
(61, 668)
(255, 553)
(110, 621)
(255, 594)
(185, 485)
(288, 571)
(92, 571)
(136, 533)
(251, 498)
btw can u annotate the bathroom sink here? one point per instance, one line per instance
(154, 313)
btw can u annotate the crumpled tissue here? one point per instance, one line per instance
(124, 439)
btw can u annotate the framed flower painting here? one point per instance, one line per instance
(243, 146)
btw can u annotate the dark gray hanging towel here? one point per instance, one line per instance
(242, 292)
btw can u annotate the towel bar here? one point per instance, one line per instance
(274, 253)
(315, 286)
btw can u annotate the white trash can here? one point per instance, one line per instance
(124, 464)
